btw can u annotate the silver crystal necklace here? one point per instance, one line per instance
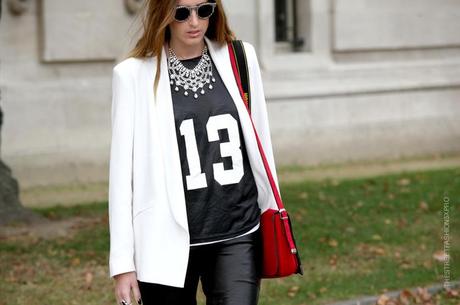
(194, 79)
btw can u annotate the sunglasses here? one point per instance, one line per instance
(203, 11)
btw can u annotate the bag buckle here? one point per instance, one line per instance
(281, 214)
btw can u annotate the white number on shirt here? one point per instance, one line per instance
(197, 179)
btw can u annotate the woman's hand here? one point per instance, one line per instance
(124, 282)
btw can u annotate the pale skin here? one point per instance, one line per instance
(187, 41)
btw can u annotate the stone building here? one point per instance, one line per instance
(344, 79)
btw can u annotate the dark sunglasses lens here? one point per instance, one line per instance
(182, 14)
(205, 10)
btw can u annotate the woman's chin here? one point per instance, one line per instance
(194, 38)
(190, 41)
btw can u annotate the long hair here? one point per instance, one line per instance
(157, 15)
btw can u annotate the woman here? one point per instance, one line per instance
(187, 181)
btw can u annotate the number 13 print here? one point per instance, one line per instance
(197, 179)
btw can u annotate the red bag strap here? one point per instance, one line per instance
(278, 200)
(236, 48)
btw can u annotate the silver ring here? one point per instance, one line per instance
(123, 302)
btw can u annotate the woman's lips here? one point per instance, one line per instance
(194, 33)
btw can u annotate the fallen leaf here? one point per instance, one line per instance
(440, 256)
(402, 222)
(405, 297)
(423, 206)
(302, 211)
(88, 279)
(311, 295)
(294, 288)
(293, 291)
(350, 229)
(404, 264)
(333, 243)
(333, 260)
(377, 250)
(383, 300)
(404, 190)
(424, 294)
(303, 195)
(428, 264)
(452, 293)
(404, 181)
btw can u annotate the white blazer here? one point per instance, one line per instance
(147, 213)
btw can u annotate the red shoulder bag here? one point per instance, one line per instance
(280, 255)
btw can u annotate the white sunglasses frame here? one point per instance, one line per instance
(195, 8)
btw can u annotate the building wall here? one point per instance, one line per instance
(376, 80)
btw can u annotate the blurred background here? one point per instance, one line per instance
(356, 89)
(345, 80)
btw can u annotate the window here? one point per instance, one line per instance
(292, 23)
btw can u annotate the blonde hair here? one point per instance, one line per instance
(157, 15)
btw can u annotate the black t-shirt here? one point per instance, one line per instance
(220, 191)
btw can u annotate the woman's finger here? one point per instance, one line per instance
(136, 292)
(123, 294)
(125, 301)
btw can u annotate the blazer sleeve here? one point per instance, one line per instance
(259, 107)
(120, 177)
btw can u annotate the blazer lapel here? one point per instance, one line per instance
(222, 61)
(219, 54)
(167, 130)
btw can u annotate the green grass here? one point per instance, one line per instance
(374, 230)
(62, 212)
(355, 237)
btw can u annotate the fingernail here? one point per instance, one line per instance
(139, 301)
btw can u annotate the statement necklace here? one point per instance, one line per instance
(191, 79)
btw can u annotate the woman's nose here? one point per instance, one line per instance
(194, 18)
